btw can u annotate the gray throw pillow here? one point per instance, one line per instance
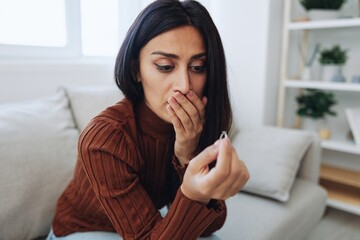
(38, 150)
(87, 102)
(272, 156)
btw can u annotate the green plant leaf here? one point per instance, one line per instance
(315, 104)
(322, 4)
(335, 55)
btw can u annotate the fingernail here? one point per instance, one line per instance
(190, 94)
(227, 141)
(172, 100)
(204, 100)
(178, 94)
(216, 143)
(215, 147)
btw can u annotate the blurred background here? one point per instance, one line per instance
(46, 44)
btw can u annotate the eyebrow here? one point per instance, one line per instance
(174, 56)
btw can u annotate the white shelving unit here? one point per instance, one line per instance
(343, 206)
(343, 185)
(341, 146)
(336, 23)
(317, 84)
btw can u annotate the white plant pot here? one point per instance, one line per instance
(317, 125)
(320, 14)
(332, 73)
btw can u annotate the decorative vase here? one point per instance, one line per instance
(355, 79)
(338, 77)
(306, 74)
(321, 14)
(332, 73)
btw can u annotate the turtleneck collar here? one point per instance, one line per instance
(152, 124)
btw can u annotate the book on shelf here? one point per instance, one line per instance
(353, 117)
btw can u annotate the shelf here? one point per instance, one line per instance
(343, 206)
(341, 176)
(342, 146)
(343, 188)
(317, 84)
(342, 197)
(335, 23)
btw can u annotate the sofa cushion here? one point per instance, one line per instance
(272, 156)
(38, 142)
(87, 102)
(256, 218)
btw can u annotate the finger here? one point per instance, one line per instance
(181, 113)
(234, 181)
(204, 158)
(245, 173)
(204, 100)
(174, 119)
(198, 103)
(223, 164)
(236, 186)
(221, 171)
(240, 176)
(225, 188)
(189, 108)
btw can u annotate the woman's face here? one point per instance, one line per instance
(173, 61)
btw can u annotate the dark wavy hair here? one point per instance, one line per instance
(164, 15)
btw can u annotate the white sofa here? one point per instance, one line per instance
(38, 141)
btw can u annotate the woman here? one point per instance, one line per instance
(154, 147)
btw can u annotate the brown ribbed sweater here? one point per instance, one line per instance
(121, 180)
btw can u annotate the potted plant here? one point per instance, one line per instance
(322, 9)
(332, 61)
(316, 105)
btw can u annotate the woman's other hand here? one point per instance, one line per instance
(226, 179)
(187, 114)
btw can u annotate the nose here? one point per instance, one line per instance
(182, 82)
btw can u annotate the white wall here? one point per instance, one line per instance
(251, 33)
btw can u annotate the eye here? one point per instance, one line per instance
(198, 69)
(164, 68)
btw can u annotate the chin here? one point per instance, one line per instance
(166, 118)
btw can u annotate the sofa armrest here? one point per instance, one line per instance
(310, 164)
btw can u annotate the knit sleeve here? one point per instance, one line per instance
(110, 164)
(216, 204)
(179, 169)
(219, 221)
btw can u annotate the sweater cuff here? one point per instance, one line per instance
(193, 217)
(179, 169)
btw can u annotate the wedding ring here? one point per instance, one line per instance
(223, 135)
